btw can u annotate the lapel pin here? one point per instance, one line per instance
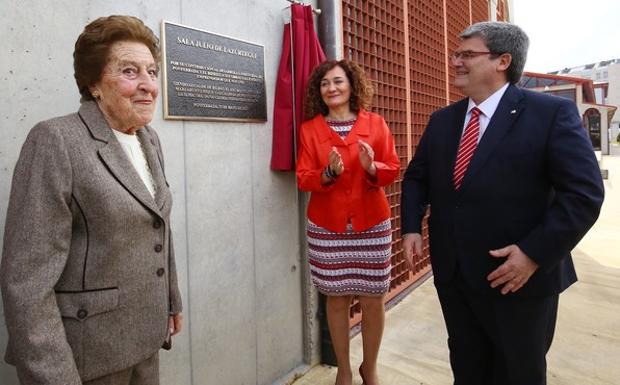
(513, 111)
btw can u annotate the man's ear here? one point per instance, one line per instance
(504, 62)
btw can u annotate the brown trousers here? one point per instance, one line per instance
(143, 373)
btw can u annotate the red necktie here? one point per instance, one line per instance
(468, 145)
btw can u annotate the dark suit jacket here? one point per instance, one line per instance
(533, 181)
(87, 275)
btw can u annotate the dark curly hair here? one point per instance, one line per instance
(361, 88)
(92, 48)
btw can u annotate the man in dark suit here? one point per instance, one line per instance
(513, 185)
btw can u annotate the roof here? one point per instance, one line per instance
(538, 80)
(556, 80)
(587, 67)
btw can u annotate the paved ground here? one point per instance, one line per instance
(586, 349)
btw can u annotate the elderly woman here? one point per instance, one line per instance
(88, 276)
(346, 156)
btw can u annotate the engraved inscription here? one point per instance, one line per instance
(208, 76)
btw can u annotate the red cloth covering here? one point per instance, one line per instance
(306, 54)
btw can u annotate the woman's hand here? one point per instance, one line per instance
(367, 157)
(336, 167)
(175, 323)
(335, 161)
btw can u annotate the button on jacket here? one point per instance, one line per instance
(354, 196)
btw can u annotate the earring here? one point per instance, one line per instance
(96, 94)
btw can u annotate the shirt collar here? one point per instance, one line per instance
(489, 105)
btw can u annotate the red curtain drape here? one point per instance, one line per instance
(306, 53)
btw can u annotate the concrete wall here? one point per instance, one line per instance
(236, 223)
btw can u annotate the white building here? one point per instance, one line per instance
(596, 116)
(606, 71)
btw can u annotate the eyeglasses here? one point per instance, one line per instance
(468, 55)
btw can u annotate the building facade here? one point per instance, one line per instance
(587, 95)
(606, 71)
(250, 311)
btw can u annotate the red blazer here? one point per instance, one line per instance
(354, 196)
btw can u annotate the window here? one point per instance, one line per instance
(568, 94)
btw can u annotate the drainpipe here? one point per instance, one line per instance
(317, 342)
(330, 36)
(330, 28)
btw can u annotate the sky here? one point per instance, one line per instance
(568, 33)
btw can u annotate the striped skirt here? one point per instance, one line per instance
(350, 263)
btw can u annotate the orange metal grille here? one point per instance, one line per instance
(427, 61)
(457, 14)
(374, 37)
(479, 10)
(502, 10)
(427, 66)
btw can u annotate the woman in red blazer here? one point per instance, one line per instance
(345, 158)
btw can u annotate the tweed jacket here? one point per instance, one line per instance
(88, 276)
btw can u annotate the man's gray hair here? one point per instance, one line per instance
(501, 37)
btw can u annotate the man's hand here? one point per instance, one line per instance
(412, 244)
(514, 272)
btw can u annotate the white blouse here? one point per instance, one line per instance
(135, 153)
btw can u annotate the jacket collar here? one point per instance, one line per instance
(154, 158)
(115, 158)
(94, 120)
(456, 123)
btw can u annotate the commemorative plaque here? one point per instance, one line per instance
(211, 77)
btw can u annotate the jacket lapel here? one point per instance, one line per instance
(114, 157)
(456, 126)
(153, 157)
(360, 130)
(501, 123)
(324, 132)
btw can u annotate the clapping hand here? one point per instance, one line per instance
(335, 161)
(367, 157)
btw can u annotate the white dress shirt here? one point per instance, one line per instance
(487, 109)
